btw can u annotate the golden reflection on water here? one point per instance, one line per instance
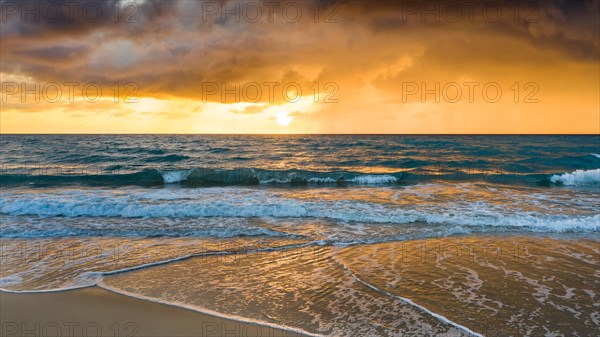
(503, 284)
(62, 262)
(513, 285)
(436, 196)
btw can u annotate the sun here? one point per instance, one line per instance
(283, 119)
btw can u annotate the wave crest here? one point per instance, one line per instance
(578, 178)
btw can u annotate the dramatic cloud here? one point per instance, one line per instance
(345, 66)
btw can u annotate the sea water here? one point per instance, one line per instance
(337, 235)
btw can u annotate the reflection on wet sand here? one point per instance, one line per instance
(493, 285)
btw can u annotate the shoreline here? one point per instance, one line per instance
(95, 311)
(101, 310)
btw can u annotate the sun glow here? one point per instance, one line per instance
(283, 119)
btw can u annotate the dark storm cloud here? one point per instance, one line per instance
(173, 48)
(571, 27)
(54, 54)
(79, 17)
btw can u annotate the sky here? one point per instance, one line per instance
(402, 67)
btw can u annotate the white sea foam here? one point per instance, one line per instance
(410, 302)
(177, 176)
(374, 179)
(10, 280)
(578, 178)
(595, 155)
(257, 203)
(369, 179)
(326, 180)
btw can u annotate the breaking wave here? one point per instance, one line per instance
(578, 178)
(206, 177)
(235, 202)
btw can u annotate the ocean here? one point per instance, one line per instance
(333, 235)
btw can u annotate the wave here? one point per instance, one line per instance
(206, 177)
(146, 178)
(219, 150)
(578, 178)
(170, 177)
(257, 203)
(199, 177)
(167, 158)
(62, 229)
(95, 278)
(374, 179)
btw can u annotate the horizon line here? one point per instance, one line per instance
(300, 134)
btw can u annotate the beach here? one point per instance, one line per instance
(458, 286)
(323, 168)
(97, 312)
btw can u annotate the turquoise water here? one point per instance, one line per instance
(200, 160)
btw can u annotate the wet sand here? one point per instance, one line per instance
(98, 312)
(468, 285)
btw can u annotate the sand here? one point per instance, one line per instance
(98, 312)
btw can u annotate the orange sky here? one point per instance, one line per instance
(300, 67)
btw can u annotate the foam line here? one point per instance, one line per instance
(159, 263)
(409, 302)
(54, 290)
(217, 253)
(208, 311)
(173, 304)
